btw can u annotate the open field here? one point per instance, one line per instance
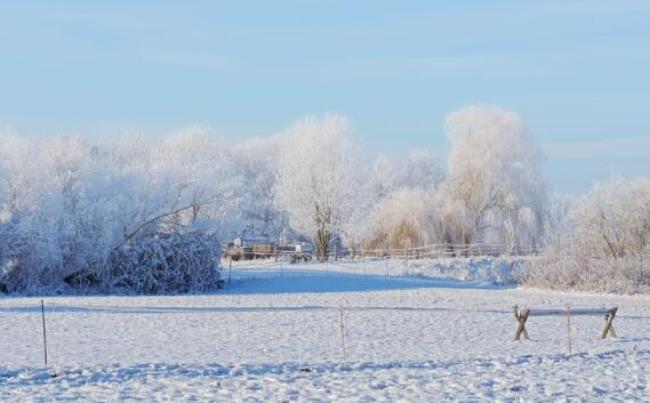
(275, 334)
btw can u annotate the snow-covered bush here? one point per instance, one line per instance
(67, 205)
(576, 271)
(166, 264)
(608, 246)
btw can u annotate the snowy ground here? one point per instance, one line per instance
(274, 334)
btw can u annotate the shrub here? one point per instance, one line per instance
(167, 264)
(608, 248)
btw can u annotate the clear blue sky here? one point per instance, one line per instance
(577, 71)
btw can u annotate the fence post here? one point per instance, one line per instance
(405, 261)
(229, 270)
(44, 332)
(568, 326)
(386, 267)
(342, 323)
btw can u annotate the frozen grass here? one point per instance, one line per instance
(623, 275)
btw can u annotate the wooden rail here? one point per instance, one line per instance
(522, 315)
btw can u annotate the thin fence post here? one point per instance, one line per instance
(230, 270)
(44, 332)
(342, 325)
(386, 267)
(407, 255)
(568, 325)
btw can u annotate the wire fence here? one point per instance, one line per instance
(444, 250)
(58, 326)
(63, 320)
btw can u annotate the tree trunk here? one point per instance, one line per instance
(322, 244)
(467, 240)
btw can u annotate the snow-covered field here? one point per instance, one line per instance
(274, 334)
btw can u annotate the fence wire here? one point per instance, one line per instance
(61, 330)
(64, 329)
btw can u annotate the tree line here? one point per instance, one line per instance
(148, 216)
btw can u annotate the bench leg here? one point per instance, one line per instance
(521, 318)
(524, 332)
(518, 319)
(609, 327)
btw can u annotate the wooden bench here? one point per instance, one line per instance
(522, 315)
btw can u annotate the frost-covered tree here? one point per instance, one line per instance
(257, 215)
(495, 190)
(199, 174)
(420, 170)
(316, 177)
(69, 207)
(607, 242)
(383, 177)
(613, 220)
(407, 218)
(557, 220)
(357, 228)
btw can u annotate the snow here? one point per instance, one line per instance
(584, 376)
(274, 334)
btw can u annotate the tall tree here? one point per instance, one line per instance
(495, 190)
(316, 177)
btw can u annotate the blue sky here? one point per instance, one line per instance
(578, 72)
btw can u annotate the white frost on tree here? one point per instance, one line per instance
(420, 171)
(606, 242)
(70, 206)
(495, 190)
(407, 218)
(256, 214)
(316, 177)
